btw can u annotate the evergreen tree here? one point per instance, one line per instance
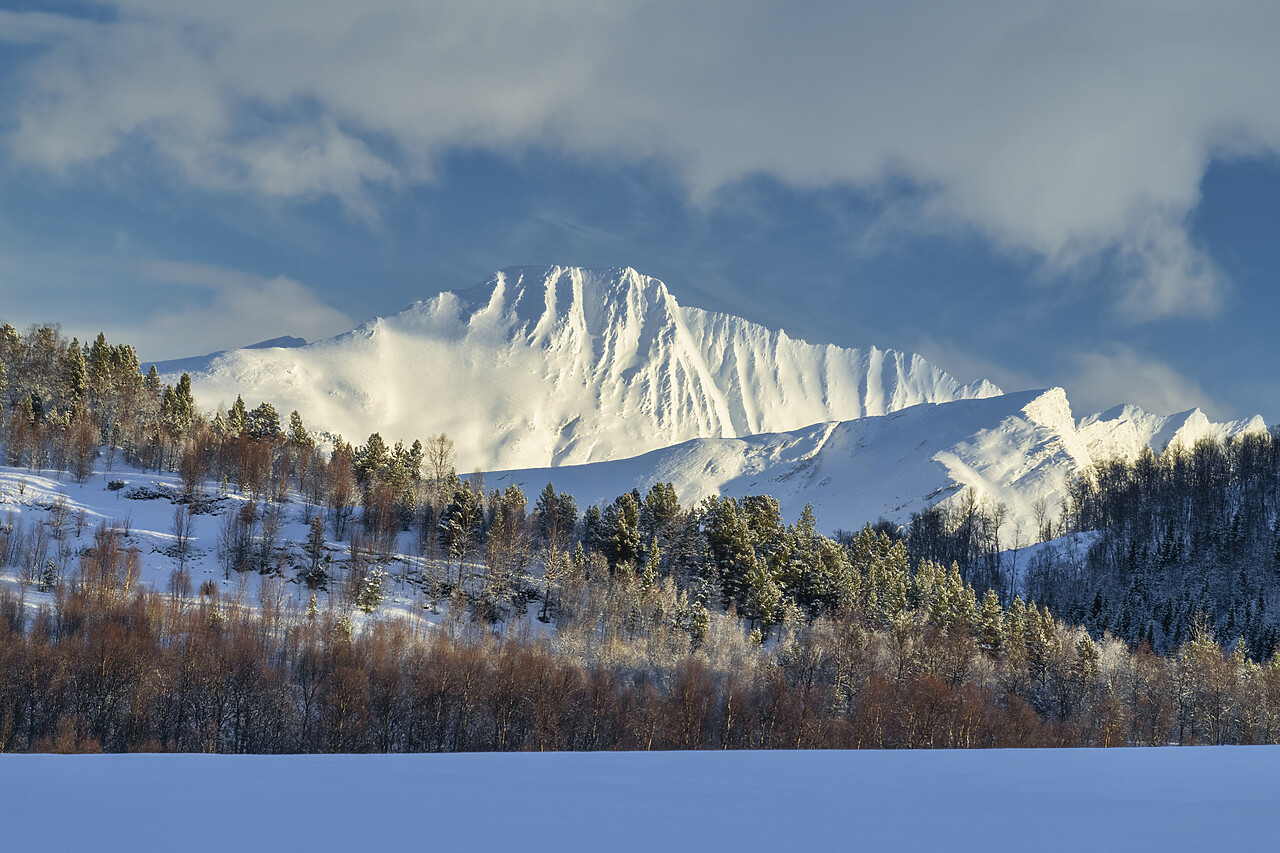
(73, 378)
(49, 577)
(370, 591)
(151, 384)
(699, 623)
(658, 512)
(316, 575)
(620, 530)
(299, 438)
(730, 552)
(763, 597)
(178, 407)
(237, 416)
(460, 527)
(372, 459)
(649, 579)
(263, 423)
(991, 623)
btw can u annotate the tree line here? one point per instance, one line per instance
(713, 625)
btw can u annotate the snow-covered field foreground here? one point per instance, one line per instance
(1210, 798)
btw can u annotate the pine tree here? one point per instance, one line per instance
(73, 380)
(460, 527)
(299, 438)
(649, 580)
(659, 511)
(263, 423)
(49, 576)
(763, 597)
(699, 623)
(236, 417)
(371, 460)
(316, 575)
(178, 406)
(98, 370)
(620, 530)
(151, 384)
(370, 591)
(991, 623)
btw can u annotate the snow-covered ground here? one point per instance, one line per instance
(1161, 799)
(1017, 449)
(28, 500)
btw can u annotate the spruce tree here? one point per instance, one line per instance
(178, 406)
(316, 575)
(991, 623)
(460, 527)
(299, 438)
(73, 384)
(263, 423)
(621, 530)
(370, 591)
(236, 417)
(371, 460)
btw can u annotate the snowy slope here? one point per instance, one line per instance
(548, 366)
(1155, 799)
(1016, 448)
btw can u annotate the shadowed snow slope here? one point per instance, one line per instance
(1016, 448)
(550, 366)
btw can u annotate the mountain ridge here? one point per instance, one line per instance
(1019, 449)
(560, 365)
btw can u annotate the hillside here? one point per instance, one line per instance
(1016, 448)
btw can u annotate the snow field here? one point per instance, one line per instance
(1195, 798)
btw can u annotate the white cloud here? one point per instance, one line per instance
(1070, 131)
(1119, 374)
(165, 309)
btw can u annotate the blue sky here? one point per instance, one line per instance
(1083, 194)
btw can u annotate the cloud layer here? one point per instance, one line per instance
(1075, 133)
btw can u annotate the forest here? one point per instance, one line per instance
(640, 624)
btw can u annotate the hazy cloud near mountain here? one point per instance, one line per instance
(178, 309)
(1098, 380)
(1072, 133)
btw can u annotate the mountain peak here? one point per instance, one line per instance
(550, 365)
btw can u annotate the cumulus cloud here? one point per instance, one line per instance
(1076, 133)
(1102, 378)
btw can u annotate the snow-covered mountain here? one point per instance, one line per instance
(1017, 449)
(548, 366)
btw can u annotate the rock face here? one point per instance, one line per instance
(548, 366)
